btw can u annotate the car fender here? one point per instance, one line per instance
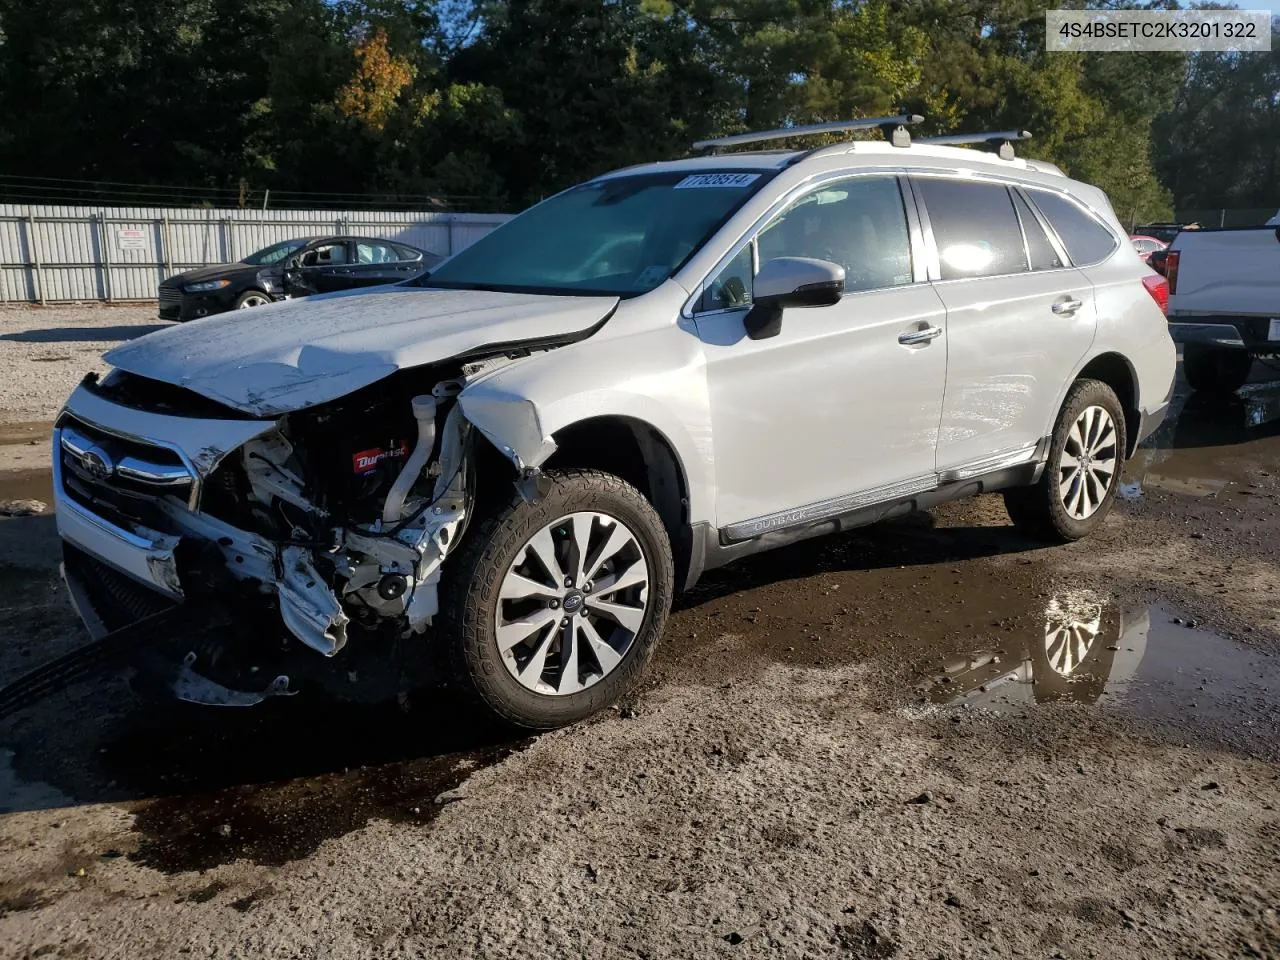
(656, 377)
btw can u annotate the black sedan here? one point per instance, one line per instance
(292, 268)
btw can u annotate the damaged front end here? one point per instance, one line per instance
(324, 530)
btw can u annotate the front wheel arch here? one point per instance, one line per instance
(644, 457)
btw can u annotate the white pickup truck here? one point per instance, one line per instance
(1224, 301)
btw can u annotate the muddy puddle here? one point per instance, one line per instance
(1146, 662)
(19, 488)
(1210, 444)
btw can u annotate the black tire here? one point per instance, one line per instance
(1215, 369)
(245, 300)
(1039, 510)
(473, 576)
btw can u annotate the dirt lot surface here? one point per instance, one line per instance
(928, 739)
(44, 351)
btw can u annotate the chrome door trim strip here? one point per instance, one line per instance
(999, 461)
(825, 509)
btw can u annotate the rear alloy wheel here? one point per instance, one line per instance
(555, 607)
(252, 298)
(1078, 486)
(1215, 369)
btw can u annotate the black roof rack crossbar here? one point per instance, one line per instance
(894, 129)
(1001, 140)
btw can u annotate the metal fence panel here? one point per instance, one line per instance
(79, 253)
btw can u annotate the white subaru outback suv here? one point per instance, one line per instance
(518, 459)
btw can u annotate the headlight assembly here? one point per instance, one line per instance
(206, 286)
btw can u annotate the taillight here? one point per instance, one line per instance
(1171, 269)
(1158, 287)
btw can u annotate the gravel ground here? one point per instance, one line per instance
(853, 747)
(45, 351)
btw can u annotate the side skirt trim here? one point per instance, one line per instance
(823, 509)
(709, 548)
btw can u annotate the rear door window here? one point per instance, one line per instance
(368, 252)
(1043, 255)
(1087, 241)
(325, 255)
(974, 226)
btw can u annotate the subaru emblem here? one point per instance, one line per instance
(96, 463)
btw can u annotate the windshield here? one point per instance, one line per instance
(622, 236)
(275, 253)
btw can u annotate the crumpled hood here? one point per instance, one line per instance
(286, 356)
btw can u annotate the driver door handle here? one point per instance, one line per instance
(1064, 308)
(920, 336)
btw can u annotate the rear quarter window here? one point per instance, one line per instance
(1087, 241)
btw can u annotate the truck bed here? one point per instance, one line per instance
(1233, 271)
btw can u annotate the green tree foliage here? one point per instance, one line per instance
(1218, 145)
(496, 103)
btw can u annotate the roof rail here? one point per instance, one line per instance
(893, 128)
(1001, 140)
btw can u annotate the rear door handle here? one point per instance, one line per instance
(1065, 308)
(920, 336)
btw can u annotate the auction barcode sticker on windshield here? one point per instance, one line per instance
(717, 180)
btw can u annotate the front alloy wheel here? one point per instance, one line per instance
(252, 299)
(572, 603)
(554, 608)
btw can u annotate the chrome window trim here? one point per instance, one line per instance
(688, 311)
(1084, 208)
(1005, 181)
(1054, 240)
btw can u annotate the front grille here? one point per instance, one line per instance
(118, 478)
(170, 295)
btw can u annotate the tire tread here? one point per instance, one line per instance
(474, 573)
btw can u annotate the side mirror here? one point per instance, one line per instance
(791, 282)
(292, 263)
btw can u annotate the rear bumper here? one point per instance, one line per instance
(1149, 422)
(1230, 333)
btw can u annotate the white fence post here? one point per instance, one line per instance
(103, 240)
(33, 247)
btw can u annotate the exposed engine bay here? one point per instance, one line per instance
(340, 516)
(361, 501)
